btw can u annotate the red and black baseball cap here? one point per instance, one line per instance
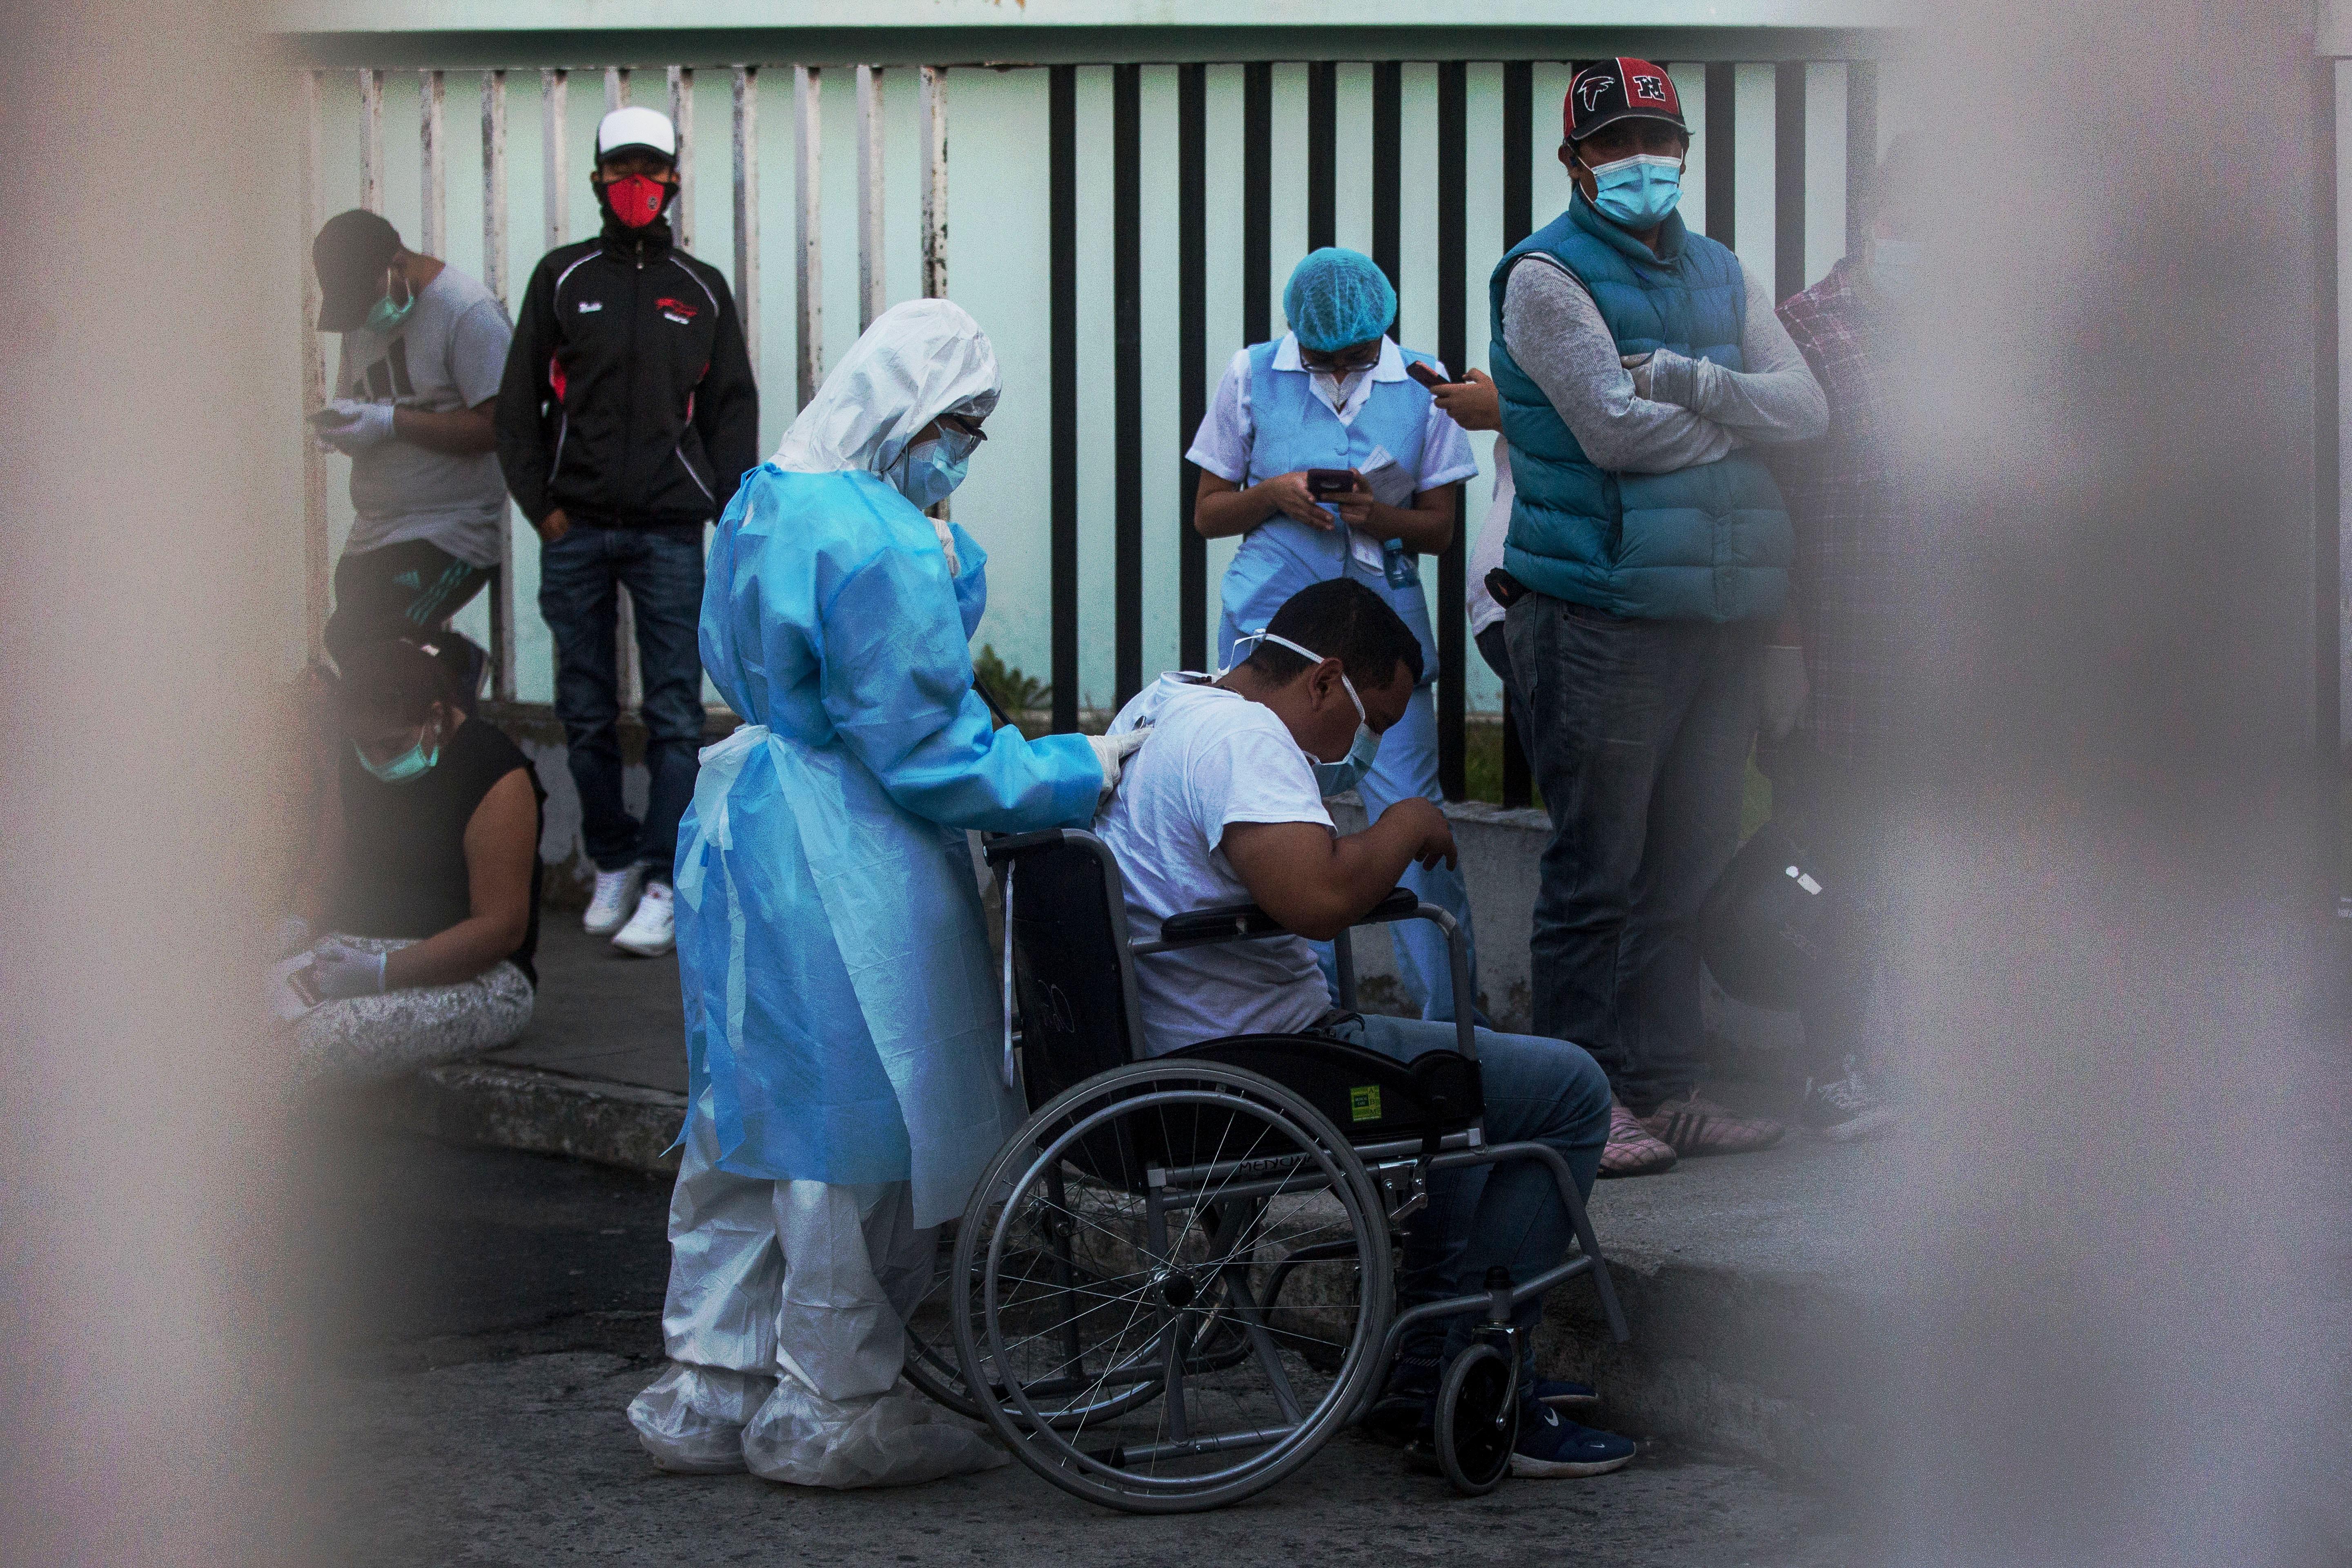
(352, 251)
(1607, 91)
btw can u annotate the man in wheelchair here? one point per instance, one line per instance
(1223, 804)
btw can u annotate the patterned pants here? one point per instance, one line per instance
(374, 1039)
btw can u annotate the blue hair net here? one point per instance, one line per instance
(1336, 297)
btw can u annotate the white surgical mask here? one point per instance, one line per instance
(1333, 778)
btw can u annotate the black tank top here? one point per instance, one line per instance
(404, 844)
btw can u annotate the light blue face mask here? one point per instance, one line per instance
(1894, 269)
(1640, 191)
(1339, 777)
(930, 471)
(411, 764)
(384, 316)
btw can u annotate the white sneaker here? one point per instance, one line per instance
(616, 899)
(653, 930)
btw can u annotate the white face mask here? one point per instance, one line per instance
(1332, 778)
(1339, 388)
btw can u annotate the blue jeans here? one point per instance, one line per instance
(1537, 1092)
(1638, 732)
(661, 569)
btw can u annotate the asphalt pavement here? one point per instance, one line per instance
(486, 1315)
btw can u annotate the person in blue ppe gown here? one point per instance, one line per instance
(841, 1003)
(1333, 393)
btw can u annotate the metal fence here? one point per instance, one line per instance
(1452, 329)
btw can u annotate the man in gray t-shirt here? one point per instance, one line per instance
(423, 349)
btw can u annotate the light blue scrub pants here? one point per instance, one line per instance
(1407, 766)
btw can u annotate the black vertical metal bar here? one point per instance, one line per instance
(1388, 180)
(1322, 153)
(1722, 150)
(1452, 347)
(1519, 222)
(1787, 178)
(1127, 374)
(1518, 152)
(1062, 202)
(2327, 517)
(1860, 148)
(1191, 354)
(1257, 202)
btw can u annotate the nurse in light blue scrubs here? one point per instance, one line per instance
(1333, 393)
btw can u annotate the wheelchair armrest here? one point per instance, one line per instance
(1225, 922)
(1400, 905)
(1238, 923)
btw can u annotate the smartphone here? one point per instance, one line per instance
(1425, 374)
(299, 982)
(1329, 481)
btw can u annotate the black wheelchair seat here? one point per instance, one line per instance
(1369, 1098)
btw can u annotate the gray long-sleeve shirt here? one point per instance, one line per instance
(1684, 412)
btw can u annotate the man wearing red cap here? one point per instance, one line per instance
(1638, 366)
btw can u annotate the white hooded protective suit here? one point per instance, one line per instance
(842, 1017)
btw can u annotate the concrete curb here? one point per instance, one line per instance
(542, 1112)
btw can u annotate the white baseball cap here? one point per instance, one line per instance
(633, 127)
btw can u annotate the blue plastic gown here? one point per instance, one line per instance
(841, 1000)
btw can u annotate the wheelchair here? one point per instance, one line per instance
(1174, 1284)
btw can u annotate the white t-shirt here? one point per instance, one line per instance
(1487, 553)
(1227, 432)
(1215, 758)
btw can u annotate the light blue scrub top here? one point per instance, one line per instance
(1291, 429)
(841, 999)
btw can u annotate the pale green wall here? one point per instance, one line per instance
(998, 243)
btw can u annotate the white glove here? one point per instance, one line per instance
(370, 424)
(1784, 690)
(338, 971)
(1110, 750)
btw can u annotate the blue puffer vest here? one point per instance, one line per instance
(1706, 543)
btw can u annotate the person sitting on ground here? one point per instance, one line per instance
(1223, 804)
(429, 884)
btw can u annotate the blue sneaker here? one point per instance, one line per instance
(1562, 1395)
(1551, 1448)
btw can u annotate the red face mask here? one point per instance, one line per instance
(637, 200)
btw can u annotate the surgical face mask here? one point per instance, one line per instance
(1335, 778)
(1894, 269)
(930, 471)
(384, 316)
(1639, 192)
(635, 199)
(1338, 388)
(411, 764)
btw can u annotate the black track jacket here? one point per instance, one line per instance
(628, 398)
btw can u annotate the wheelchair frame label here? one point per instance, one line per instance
(1364, 1103)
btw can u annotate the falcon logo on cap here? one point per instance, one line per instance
(1593, 84)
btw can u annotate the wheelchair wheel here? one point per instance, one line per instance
(1477, 1419)
(1114, 1269)
(935, 1369)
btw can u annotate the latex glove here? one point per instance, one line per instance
(1110, 750)
(338, 971)
(1784, 690)
(370, 425)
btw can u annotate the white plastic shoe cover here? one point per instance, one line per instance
(691, 1418)
(840, 1416)
(900, 1439)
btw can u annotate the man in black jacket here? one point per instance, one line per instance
(627, 417)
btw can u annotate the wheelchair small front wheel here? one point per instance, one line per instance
(1477, 1419)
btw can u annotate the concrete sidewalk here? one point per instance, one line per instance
(1743, 1278)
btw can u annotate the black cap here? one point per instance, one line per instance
(351, 253)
